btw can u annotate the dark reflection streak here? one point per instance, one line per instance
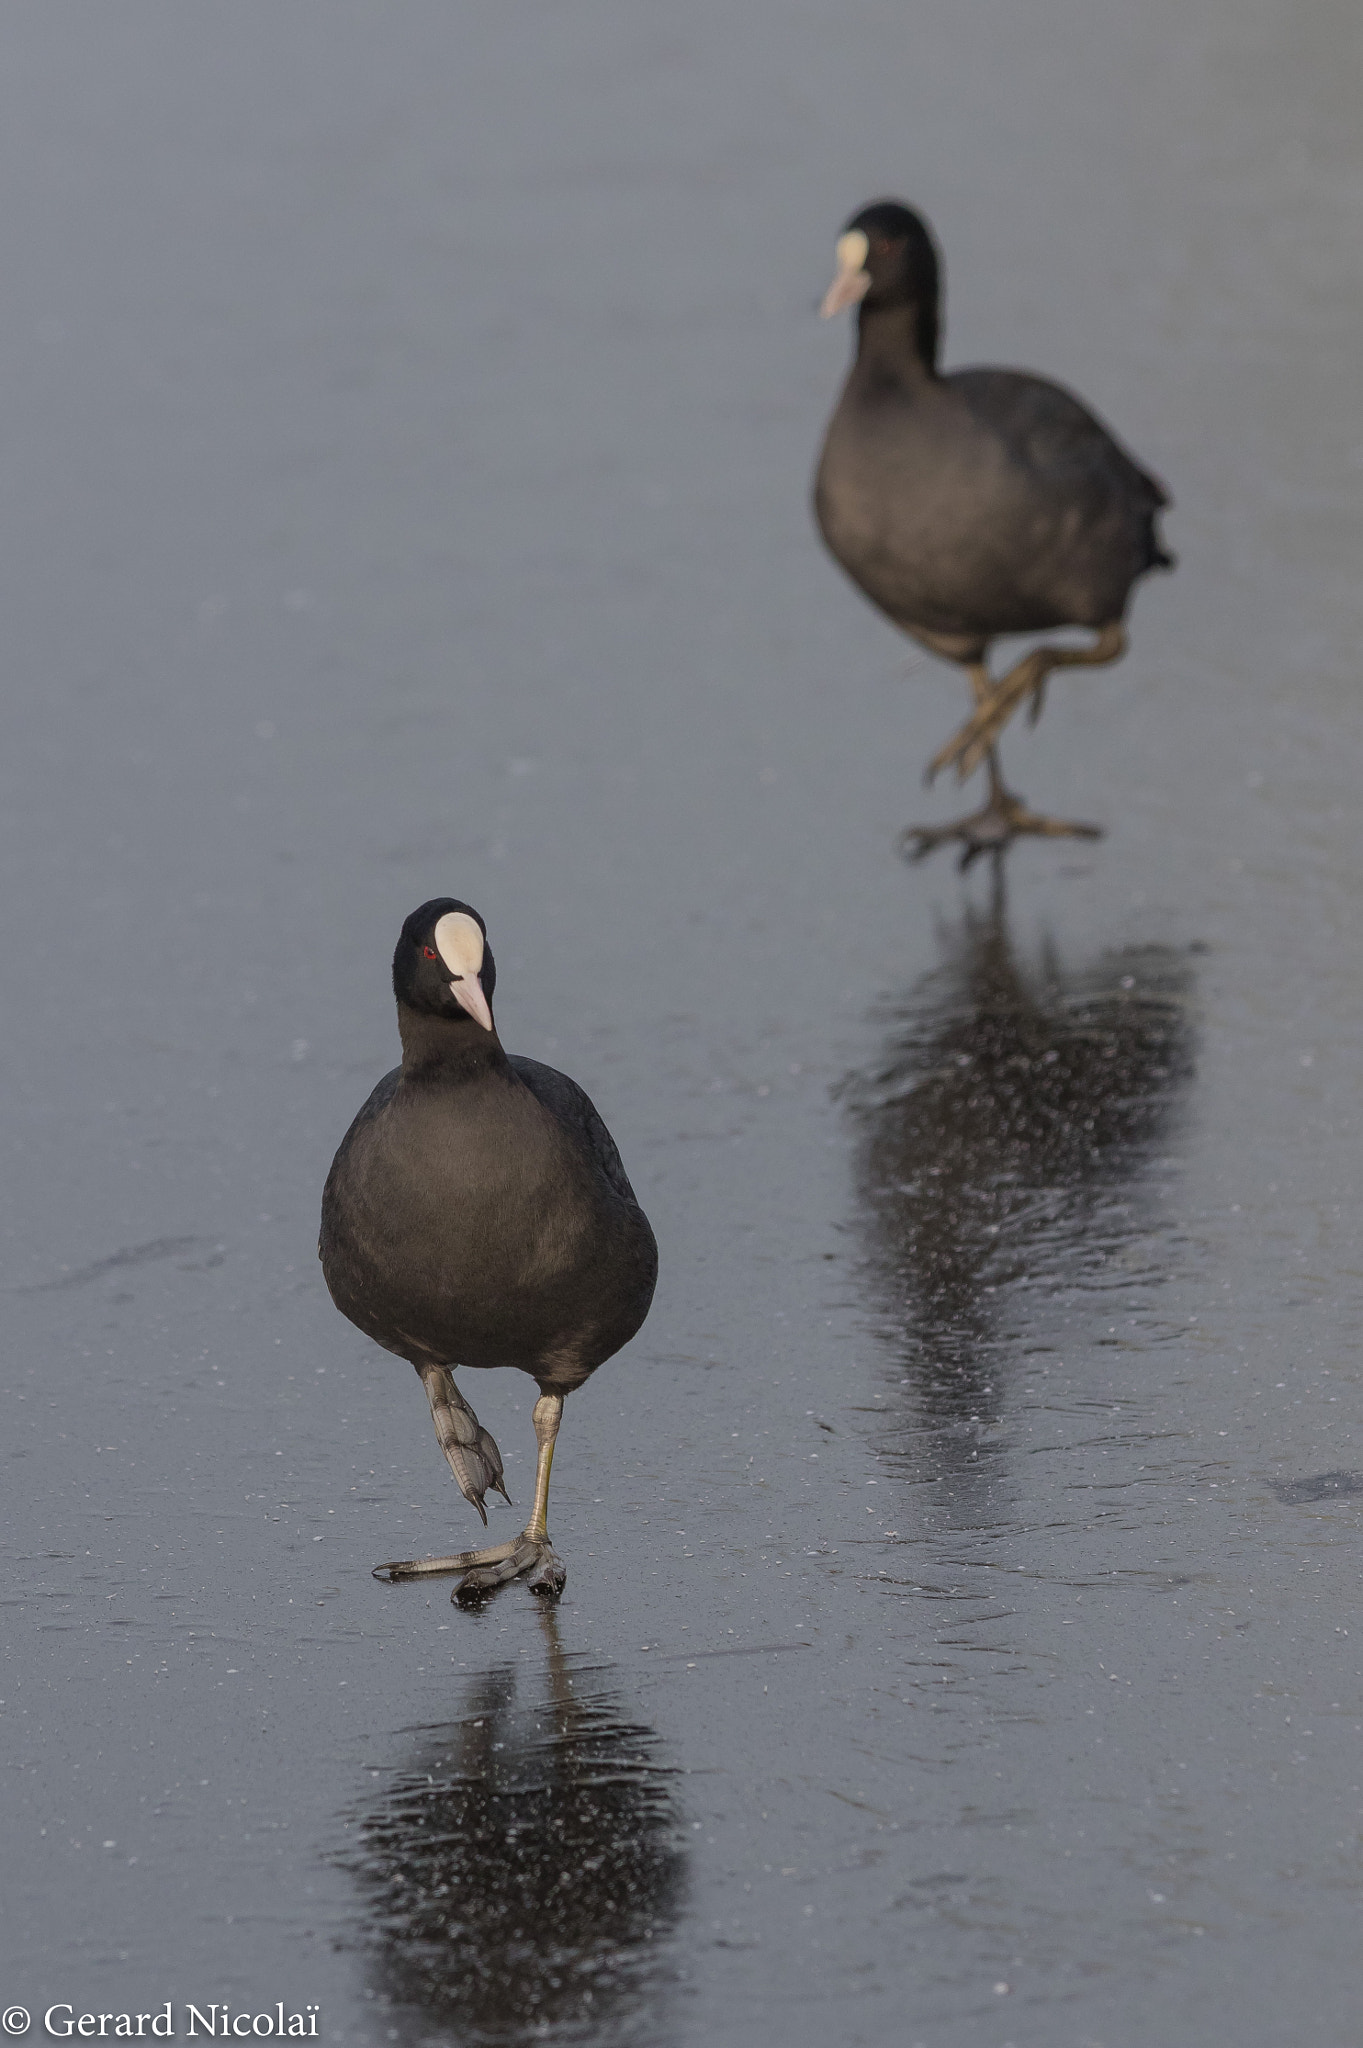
(1005, 1138)
(523, 1870)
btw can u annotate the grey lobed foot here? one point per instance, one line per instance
(533, 1556)
(526, 1556)
(991, 830)
(470, 1450)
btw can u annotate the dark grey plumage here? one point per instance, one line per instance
(972, 503)
(479, 1215)
(477, 1212)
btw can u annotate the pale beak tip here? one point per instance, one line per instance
(848, 288)
(469, 996)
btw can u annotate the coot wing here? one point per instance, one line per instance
(575, 1109)
(1049, 431)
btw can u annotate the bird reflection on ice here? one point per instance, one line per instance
(522, 1869)
(1007, 1138)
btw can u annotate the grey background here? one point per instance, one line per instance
(408, 414)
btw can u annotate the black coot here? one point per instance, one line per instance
(477, 1214)
(973, 504)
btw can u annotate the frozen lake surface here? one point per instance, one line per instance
(409, 413)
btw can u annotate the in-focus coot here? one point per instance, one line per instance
(477, 1214)
(973, 504)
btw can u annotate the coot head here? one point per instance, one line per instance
(886, 257)
(443, 964)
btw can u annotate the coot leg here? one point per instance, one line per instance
(1004, 818)
(530, 1552)
(473, 1457)
(534, 1552)
(970, 745)
(434, 1567)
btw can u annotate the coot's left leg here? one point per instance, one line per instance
(969, 747)
(533, 1553)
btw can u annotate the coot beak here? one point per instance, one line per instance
(853, 280)
(468, 993)
(459, 942)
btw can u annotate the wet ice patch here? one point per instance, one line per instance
(1324, 1486)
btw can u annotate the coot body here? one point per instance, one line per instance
(477, 1214)
(981, 503)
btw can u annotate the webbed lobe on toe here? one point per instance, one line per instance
(470, 1450)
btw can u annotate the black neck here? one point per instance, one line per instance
(441, 1045)
(898, 341)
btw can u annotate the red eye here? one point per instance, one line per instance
(429, 951)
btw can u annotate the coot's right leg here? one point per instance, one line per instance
(469, 1449)
(471, 1453)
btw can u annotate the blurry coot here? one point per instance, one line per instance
(477, 1214)
(973, 504)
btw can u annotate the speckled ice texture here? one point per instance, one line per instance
(408, 417)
